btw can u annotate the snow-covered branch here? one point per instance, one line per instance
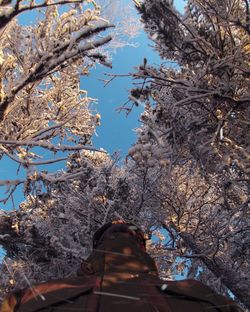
(8, 13)
(49, 146)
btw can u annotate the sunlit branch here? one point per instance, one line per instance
(52, 147)
(5, 18)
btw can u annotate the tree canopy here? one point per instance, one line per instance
(187, 176)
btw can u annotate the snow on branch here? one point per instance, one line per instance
(8, 13)
(41, 103)
(53, 148)
(51, 60)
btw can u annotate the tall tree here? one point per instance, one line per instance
(42, 108)
(44, 114)
(196, 137)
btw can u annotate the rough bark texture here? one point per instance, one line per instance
(228, 277)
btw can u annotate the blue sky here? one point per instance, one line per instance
(116, 133)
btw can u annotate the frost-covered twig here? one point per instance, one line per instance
(50, 146)
(9, 13)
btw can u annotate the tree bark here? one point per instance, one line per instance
(231, 279)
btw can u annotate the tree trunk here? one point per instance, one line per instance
(231, 279)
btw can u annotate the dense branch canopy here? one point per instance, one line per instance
(187, 176)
